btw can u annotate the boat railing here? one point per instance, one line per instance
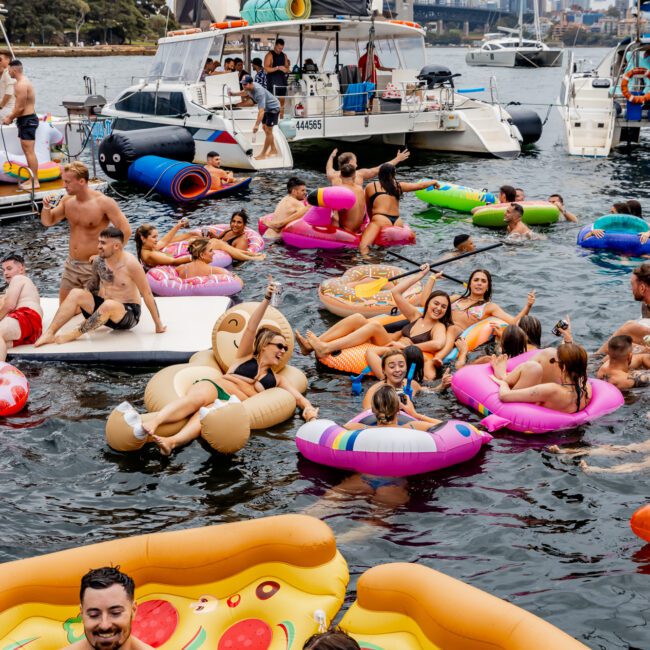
(32, 180)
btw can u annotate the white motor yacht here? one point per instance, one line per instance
(503, 51)
(422, 111)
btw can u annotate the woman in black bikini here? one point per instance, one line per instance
(427, 330)
(259, 350)
(382, 203)
(235, 236)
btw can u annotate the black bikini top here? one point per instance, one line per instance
(250, 368)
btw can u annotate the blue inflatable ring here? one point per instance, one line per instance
(621, 234)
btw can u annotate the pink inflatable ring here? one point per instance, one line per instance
(165, 281)
(179, 249)
(389, 451)
(472, 386)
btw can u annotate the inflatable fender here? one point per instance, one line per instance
(640, 523)
(229, 328)
(165, 281)
(225, 426)
(472, 386)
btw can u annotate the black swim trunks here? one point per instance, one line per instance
(27, 125)
(270, 118)
(127, 322)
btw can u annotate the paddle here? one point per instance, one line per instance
(368, 289)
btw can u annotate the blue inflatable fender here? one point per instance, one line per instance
(621, 235)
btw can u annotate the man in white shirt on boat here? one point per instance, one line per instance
(7, 84)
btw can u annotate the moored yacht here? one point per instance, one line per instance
(411, 107)
(499, 50)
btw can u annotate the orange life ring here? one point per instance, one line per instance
(408, 23)
(229, 24)
(182, 32)
(625, 83)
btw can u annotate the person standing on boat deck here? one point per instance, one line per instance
(26, 120)
(277, 66)
(7, 84)
(368, 66)
(361, 175)
(269, 110)
(112, 300)
(88, 212)
(258, 68)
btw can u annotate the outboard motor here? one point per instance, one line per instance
(119, 149)
(528, 123)
(437, 75)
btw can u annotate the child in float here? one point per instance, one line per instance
(571, 395)
(623, 368)
(333, 639)
(201, 257)
(609, 450)
(427, 330)
(382, 203)
(252, 373)
(395, 368)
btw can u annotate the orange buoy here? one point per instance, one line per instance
(640, 523)
(229, 24)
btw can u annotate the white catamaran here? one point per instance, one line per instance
(424, 111)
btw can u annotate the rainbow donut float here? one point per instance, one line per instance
(315, 229)
(472, 386)
(640, 523)
(14, 389)
(337, 295)
(621, 235)
(165, 281)
(455, 197)
(47, 171)
(389, 451)
(536, 213)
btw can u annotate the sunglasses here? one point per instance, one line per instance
(281, 346)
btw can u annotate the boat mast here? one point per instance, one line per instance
(538, 31)
(521, 21)
(4, 33)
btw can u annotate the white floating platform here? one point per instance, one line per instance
(189, 322)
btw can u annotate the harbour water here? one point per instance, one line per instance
(517, 521)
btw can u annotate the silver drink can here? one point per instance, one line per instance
(276, 298)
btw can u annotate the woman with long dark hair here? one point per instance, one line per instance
(382, 203)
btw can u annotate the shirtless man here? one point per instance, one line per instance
(220, 177)
(107, 611)
(115, 303)
(21, 316)
(463, 244)
(507, 194)
(620, 362)
(515, 225)
(557, 200)
(352, 218)
(290, 208)
(334, 177)
(26, 119)
(88, 212)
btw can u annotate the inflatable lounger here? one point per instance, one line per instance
(239, 186)
(189, 322)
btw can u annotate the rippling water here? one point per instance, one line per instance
(517, 522)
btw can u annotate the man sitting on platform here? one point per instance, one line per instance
(114, 301)
(220, 177)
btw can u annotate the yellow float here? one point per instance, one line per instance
(227, 427)
(338, 294)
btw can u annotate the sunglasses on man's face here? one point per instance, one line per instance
(281, 346)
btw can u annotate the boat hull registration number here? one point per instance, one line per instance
(309, 125)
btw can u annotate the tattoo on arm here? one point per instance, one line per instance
(93, 322)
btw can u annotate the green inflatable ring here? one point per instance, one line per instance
(536, 213)
(624, 223)
(455, 197)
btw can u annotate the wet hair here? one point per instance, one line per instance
(141, 233)
(293, 182)
(333, 639)
(559, 196)
(572, 360)
(415, 356)
(634, 208)
(642, 273)
(618, 347)
(348, 170)
(488, 293)
(242, 214)
(198, 247)
(533, 329)
(78, 169)
(213, 154)
(263, 337)
(460, 239)
(446, 317)
(620, 208)
(388, 182)
(111, 232)
(344, 158)
(104, 578)
(518, 209)
(385, 404)
(513, 341)
(13, 257)
(509, 191)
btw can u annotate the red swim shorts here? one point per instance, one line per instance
(30, 322)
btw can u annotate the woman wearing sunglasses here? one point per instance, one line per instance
(251, 373)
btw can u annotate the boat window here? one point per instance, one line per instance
(152, 103)
(412, 52)
(386, 51)
(347, 54)
(181, 60)
(317, 50)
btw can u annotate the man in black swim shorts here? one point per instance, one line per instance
(26, 120)
(111, 299)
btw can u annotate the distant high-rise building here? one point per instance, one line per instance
(622, 6)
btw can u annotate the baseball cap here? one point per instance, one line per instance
(247, 79)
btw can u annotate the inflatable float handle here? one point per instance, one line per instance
(356, 381)
(408, 389)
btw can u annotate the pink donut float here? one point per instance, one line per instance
(255, 241)
(389, 451)
(165, 281)
(472, 386)
(179, 249)
(14, 389)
